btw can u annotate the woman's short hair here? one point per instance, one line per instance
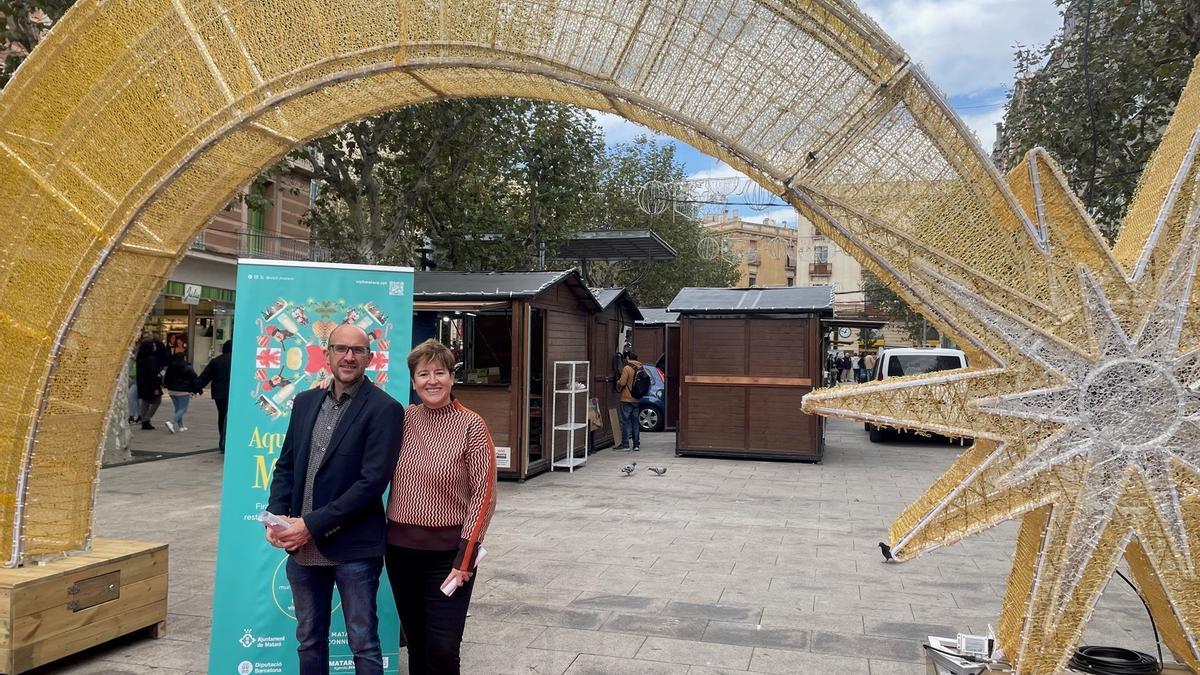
(433, 351)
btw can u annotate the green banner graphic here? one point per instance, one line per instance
(284, 315)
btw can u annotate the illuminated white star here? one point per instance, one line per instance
(1128, 410)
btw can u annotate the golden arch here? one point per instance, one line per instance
(137, 119)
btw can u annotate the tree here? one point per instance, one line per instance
(25, 23)
(891, 305)
(488, 182)
(628, 167)
(1099, 95)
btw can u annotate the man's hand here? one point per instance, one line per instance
(296, 535)
(273, 537)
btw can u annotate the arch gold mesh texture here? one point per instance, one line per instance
(136, 120)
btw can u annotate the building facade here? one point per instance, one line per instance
(765, 252)
(785, 254)
(194, 311)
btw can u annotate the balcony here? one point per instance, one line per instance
(820, 269)
(273, 247)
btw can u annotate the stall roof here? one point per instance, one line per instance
(607, 296)
(482, 285)
(855, 323)
(753, 300)
(657, 316)
(616, 245)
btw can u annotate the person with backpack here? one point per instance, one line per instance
(633, 385)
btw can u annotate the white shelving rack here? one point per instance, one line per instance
(571, 378)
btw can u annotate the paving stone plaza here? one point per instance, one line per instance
(719, 566)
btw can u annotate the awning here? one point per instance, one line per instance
(615, 246)
(854, 323)
(458, 305)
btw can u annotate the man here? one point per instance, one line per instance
(629, 404)
(152, 358)
(337, 458)
(217, 373)
(868, 366)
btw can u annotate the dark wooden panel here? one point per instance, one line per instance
(776, 423)
(750, 381)
(493, 405)
(566, 340)
(673, 377)
(779, 348)
(648, 343)
(718, 346)
(715, 417)
(602, 340)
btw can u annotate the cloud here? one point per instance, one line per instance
(780, 215)
(984, 126)
(720, 170)
(965, 45)
(618, 130)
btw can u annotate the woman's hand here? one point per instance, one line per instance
(463, 577)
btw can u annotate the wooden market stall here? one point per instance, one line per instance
(656, 340)
(610, 331)
(508, 329)
(748, 356)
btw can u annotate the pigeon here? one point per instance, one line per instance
(628, 469)
(886, 551)
(658, 470)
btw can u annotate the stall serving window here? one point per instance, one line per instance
(482, 345)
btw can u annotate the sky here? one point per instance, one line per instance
(965, 46)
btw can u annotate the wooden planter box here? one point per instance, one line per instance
(65, 606)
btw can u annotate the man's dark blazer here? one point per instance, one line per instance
(347, 521)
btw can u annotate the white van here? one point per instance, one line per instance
(897, 361)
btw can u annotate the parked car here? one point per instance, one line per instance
(898, 361)
(652, 409)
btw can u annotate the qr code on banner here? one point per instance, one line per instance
(395, 288)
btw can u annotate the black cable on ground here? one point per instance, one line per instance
(1118, 661)
(1114, 661)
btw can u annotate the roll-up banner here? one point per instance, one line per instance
(284, 314)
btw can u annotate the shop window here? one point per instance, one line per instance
(482, 345)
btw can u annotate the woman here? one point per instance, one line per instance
(152, 357)
(180, 382)
(442, 498)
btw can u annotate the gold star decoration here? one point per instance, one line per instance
(1084, 403)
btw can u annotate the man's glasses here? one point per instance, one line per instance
(357, 350)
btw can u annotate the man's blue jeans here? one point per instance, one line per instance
(312, 592)
(629, 424)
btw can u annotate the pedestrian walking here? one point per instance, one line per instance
(442, 499)
(152, 358)
(180, 382)
(216, 374)
(338, 455)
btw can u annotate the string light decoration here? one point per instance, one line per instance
(1086, 408)
(133, 122)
